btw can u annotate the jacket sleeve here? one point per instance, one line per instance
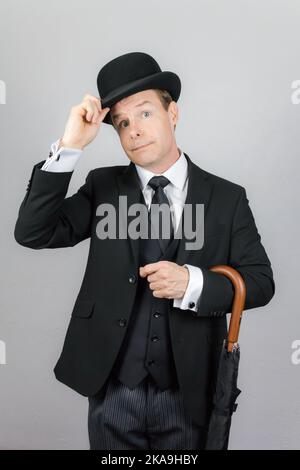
(249, 258)
(47, 219)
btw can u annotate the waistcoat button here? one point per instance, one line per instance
(157, 314)
(132, 279)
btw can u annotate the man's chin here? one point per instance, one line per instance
(145, 160)
(142, 157)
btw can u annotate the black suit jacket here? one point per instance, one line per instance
(104, 303)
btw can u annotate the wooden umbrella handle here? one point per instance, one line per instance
(238, 302)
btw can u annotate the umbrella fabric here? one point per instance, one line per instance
(226, 392)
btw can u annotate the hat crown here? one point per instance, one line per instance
(125, 69)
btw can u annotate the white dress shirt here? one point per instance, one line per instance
(64, 160)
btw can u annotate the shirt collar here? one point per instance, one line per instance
(177, 173)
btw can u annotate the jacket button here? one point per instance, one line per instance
(122, 321)
(132, 279)
(50, 154)
(154, 338)
(150, 363)
(191, 304)
(157, 314)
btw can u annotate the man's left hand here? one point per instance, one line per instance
(166, 279)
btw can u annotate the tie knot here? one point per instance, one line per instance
(157, 181)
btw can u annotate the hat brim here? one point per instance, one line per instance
(162, 80)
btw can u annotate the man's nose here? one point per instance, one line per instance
(135, 132)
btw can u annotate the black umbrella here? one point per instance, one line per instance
(226, 390)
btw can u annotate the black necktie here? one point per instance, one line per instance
(159, 197)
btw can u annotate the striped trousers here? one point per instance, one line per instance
(142, 418)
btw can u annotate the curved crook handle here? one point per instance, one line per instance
(238, 302)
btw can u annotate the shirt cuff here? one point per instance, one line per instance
(61, 160)
(193, 291)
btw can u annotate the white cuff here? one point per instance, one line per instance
(67, 158)
(193, 291)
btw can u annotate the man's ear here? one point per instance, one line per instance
(173, 111)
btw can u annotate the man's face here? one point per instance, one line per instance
(147, 124)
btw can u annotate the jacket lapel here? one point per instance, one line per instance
(129, 186)
(199, 192)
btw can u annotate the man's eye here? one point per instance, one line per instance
(120, 124)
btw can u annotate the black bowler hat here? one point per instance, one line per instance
(131, 73)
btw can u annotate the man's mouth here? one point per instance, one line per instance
(142, 146)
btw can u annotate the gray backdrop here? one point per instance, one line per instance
(239, 118)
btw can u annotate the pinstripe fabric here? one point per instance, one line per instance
(142, 418)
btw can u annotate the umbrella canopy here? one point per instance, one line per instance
(226, 390)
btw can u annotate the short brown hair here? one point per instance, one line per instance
(165, 99)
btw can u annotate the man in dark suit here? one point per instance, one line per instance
(148, 323)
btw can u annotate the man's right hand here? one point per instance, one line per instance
(83, 123)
